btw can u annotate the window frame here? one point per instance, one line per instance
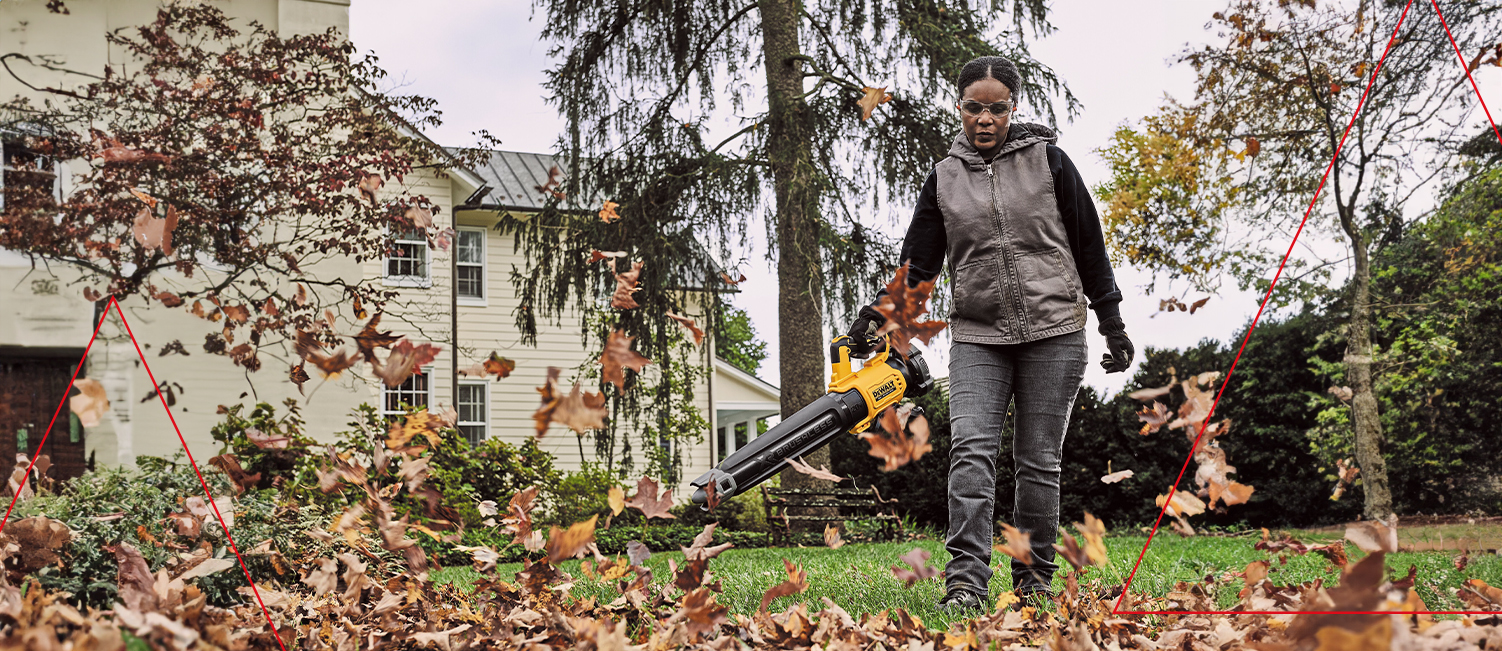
(424, 281)
(424, 370)
(12, 138)
(484, 409)
(483, 300)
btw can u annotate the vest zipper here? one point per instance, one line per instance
(1019, 318)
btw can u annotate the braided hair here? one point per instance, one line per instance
(999, 68)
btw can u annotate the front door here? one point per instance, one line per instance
(31, 386)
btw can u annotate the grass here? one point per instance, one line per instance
(858, 576)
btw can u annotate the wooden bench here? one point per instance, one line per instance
(851, 504)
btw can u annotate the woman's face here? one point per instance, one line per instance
(986, 131)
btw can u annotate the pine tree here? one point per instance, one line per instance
(636, 82)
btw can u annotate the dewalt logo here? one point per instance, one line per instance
(884, 390)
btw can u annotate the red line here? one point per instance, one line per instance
(76, 370)
(206, 492)
(1308, 612)
(1227, 382)
(1467, 70)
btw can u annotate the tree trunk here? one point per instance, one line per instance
(1358, 360)
(800, 332)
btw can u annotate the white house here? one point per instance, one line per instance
(45, 323)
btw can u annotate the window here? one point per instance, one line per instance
(473, 411)
(414, 392)
(407, 262)
(23, 171)
(469, 245)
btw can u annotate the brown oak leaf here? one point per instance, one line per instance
(649, 502)
(571, 543)
(797, 582)
(902, 306)
(625, 285)
(617, 357)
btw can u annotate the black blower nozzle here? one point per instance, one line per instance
(853, 401)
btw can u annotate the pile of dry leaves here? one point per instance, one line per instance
(368, 588)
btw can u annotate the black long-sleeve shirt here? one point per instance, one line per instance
(926, 243)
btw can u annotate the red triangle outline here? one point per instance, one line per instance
(1116, 608)
(162, 398)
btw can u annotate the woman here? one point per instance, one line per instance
(1013, 216)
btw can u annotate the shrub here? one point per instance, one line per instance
(141, 497)
(580, 495)
(276, 465)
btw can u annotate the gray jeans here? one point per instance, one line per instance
(1043, 376)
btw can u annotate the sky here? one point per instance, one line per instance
(483, 62)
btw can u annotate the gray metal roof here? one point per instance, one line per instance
(514, 177)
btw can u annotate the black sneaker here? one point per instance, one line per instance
(960, 600)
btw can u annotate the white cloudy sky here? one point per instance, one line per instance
(483, 62)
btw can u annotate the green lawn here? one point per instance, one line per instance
(858, 576)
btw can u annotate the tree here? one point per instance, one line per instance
(736, 341)
(1282, 87)
(215, 170)
(637, 83)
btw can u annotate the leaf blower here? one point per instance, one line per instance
(854, 400)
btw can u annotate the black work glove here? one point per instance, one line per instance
(863, 332)
(1120, 356)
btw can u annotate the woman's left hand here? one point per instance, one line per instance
(1120, 346)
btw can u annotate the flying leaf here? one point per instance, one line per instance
(571, 543)
(617, 500)
(1253, 147)
(1345, 474)
(266, 441)
(1071, 550)
(1153, 418)
(832, 537)
(607, 212)
(700, 549)
(578, 411)
(298, 375)
(1343, 393)
(688, 324)
(822, 472)
(617, 357)
(870, 98)
(1183, 503)
(371, 183)
(496, 365)
(1116, 476)
(1373, 536)
(917, 568)
(1018, 545)
(368, 340)
(331, 365)
(154, 233)
(649, 502)
(596, 255)
(91, 404)
(420, 218)
(902, 306)
(898, 448)
(403, 361)
(732, 281)
(625, 285)
(230, 464)
(797, 582)
(549, 186)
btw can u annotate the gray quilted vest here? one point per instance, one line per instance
(1014, 276)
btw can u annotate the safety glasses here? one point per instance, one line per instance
(973, 108)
